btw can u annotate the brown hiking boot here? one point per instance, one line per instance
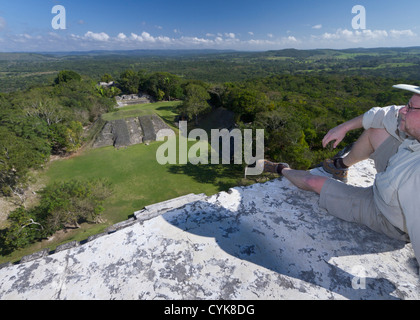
(338, 174)
(272, 167)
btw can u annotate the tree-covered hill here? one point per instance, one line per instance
(22, 70)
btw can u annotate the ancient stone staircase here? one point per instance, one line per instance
(130, 131)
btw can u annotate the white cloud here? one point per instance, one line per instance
(230, 35)
(272, 44)
(54, 35)
(341, 38)
(147, 38)
(228, 40)
(97, 36)
(24, 41)
(318, 26)
(401, 33)
(136, 37)
(121, 36)
(165, 40)
(349, 38)
(373, 34)
(260, 43)
(195, 41)
(290, 39)
(355, 36)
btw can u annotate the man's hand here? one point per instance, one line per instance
(336, 134)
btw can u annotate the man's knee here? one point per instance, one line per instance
(315, 183)
(377, 136)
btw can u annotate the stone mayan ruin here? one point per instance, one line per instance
(132, 99)
(130, 131)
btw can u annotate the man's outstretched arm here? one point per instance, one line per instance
(338, 133)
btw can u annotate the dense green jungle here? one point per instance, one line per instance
(20, 70)
(51, 105)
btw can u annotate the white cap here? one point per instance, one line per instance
(408, 87)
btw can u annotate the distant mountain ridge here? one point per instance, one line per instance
(289, 52)
(22, 70)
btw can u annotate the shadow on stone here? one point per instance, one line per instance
(301, 244)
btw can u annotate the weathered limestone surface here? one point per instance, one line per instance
(266, 241)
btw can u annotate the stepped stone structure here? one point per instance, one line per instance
(129, 131)
(132, 99)
(265, 241)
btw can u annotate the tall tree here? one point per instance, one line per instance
(196, 101)
(129, 81)
(66, 76)
(17, 156)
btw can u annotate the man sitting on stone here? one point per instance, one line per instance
(392, 139)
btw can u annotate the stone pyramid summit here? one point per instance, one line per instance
(267, 241)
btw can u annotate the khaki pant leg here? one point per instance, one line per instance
(356, 204)
(385, 151)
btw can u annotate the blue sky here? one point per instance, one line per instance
(26, 25)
